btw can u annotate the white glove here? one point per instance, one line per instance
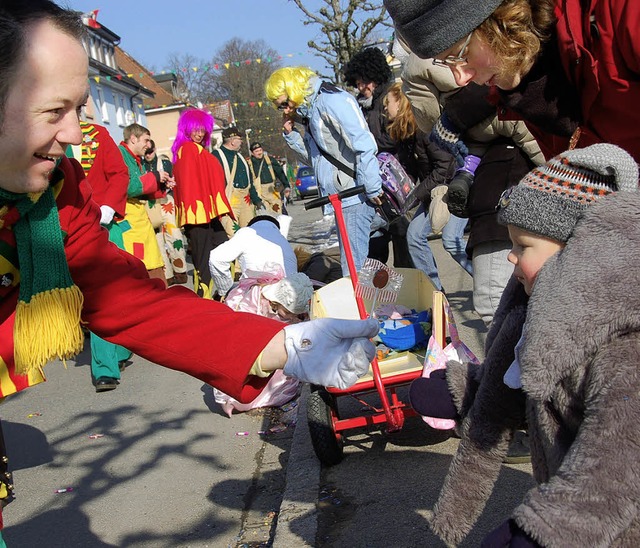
(330, 352)
(106, 214)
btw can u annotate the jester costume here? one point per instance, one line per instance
(139, 236)
(169, 236)
(201, 202)
(108, 176)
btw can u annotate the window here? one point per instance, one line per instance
(92, 49)
(120, 110)
(110, 58)
(101, 105)
(138, 110)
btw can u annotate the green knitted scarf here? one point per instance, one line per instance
(47, 323)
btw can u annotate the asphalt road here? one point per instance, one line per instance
(167, 470)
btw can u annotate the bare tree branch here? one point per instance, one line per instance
(346, 26)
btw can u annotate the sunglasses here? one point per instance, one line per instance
(455, 60)
(285, 105)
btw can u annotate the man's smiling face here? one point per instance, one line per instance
(42, 108)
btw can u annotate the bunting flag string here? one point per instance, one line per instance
(215, 66)
(250, 104)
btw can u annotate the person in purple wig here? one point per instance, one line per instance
(201, 200)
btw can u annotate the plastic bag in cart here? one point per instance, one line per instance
(437, 356)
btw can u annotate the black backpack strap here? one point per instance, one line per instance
(335, 162)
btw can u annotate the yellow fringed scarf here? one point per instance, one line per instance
(47, 323)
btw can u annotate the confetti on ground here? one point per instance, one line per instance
(95, 436)
(31, 415)
(65, 490)
(242, 433)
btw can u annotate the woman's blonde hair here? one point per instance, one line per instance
(515, 32)
(404, 125)
(290, 81)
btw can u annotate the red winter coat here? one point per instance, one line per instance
(172, 327)
(600, 50)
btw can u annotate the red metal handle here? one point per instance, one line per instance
(393, 424)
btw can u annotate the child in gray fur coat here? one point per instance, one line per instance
(563, 354)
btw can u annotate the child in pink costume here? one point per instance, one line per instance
(272, 295)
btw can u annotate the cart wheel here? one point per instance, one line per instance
(328, 446)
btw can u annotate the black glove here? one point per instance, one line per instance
(508, 535)
(458, 194)
(430, 396)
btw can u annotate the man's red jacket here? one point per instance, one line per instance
(172, 327)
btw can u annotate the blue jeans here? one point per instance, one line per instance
(357, 219)
(452, 241)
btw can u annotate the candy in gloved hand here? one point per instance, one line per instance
(330, 352)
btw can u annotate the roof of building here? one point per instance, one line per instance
(145, 77)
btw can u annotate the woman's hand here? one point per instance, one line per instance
(287, 125)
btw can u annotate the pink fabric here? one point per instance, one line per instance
(247, 297)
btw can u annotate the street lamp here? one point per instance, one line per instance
(246, 134)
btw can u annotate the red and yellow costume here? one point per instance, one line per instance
(106, 172)
(139, 237)
(200, 186)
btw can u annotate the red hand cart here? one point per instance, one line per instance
(339, 300)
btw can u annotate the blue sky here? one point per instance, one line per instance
(152, 30)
